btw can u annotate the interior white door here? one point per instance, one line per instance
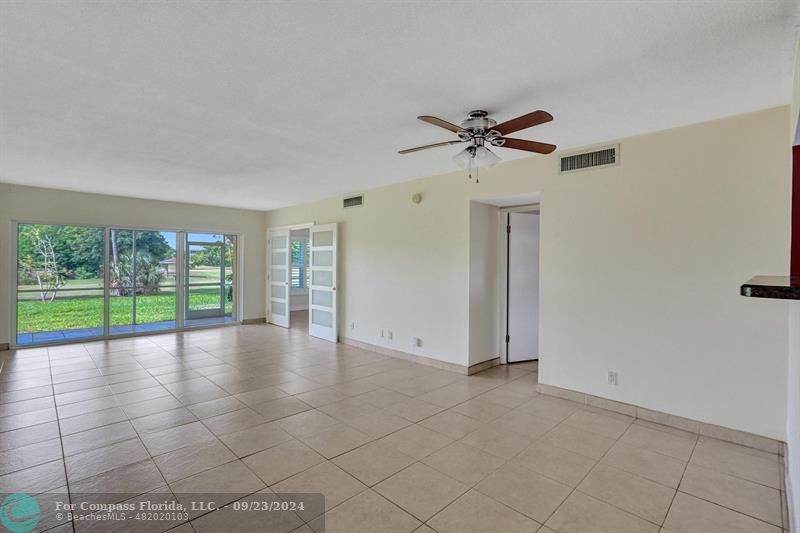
(523, 287)
(280, 257)
(322, 292)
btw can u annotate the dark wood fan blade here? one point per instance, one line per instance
(523, 122)
(528, 146)
(441, 123)
(418, 148)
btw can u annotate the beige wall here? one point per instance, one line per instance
(640, 268)
(48, 205)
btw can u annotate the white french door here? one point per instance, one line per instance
(322, 290)
(280, 257)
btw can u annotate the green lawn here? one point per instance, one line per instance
(73, 312)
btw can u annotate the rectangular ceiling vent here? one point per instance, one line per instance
(601, 157)
(353, 201)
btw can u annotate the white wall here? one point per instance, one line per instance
(793, 418)
(49, 205)
(484, 281)
(640, 268)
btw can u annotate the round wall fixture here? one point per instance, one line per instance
(417, 198)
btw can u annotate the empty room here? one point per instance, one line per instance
(400, 266)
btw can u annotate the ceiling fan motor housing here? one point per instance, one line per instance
(478, 121)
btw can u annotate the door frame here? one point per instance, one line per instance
(268, 273)
(503, 272)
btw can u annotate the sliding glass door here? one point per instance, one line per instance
(142, 287)
(59, 283)
(209, 277)
(84, 282)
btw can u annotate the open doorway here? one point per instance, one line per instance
(299, 278)
(522, 285)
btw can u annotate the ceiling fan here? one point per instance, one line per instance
(479, 130)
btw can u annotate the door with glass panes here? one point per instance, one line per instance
(208, 275)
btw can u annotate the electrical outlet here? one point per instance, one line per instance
(352, 325)
(612, 377)
(390, 335)
(416, 342)
(380, 334)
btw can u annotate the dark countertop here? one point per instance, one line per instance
(777, 287)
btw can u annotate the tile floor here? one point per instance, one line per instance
(394, 446)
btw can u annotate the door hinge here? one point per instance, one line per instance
(508, 228)
(508, 339)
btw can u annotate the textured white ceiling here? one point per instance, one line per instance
(268, 104)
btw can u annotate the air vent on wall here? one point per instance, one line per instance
(353, 201)
(596, 158)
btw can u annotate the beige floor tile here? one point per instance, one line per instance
(454, 425)
(581, 513)
(101, 460)
(325, 478)
(580, 441)
(167, 440)
(282, 461)
(670, 444)
(121, 483)
(482, 410)
(164, 420)
(254, 439)
(367, 512)
(34, 480)
(497, 441)
(223, 484)
(91, 420)
(193, 459)
(28, 435)
(737, 461)
(550, 407)
(421, 490)
(505, 397)
(98, 437)
(260, 395)
(464, 463)
(373, 462)
(336, 440)
(281, 408)
(475, 513)
(525, 424)
(734, 493)
(307, 423)
(378, 424)
(556, 463)
(219, 406)
(692, 515)
(606, 425)
(151, 407)
(32, 418)
(30, 455)
(320, 397)
(646, 499)
(645, 463)
(234, 421)
(525, 491)
(417, 441)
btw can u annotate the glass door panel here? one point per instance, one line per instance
(142, 278)
(59, 283)
(210, 260)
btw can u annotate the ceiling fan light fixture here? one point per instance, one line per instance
(485, 157)
(465, 158)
